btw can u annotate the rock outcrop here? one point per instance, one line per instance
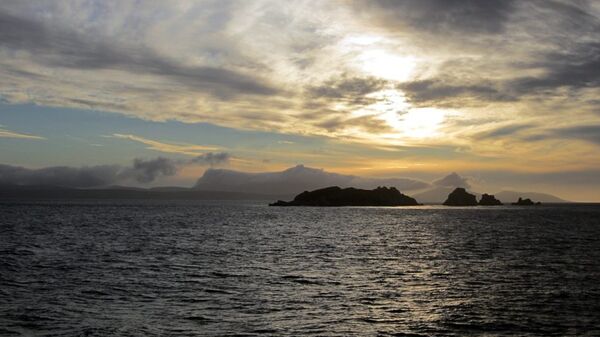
(526, 202)
(336, 196)
(460, 197)
(489, 200)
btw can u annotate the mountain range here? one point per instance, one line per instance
(232, 185)
(438, 195)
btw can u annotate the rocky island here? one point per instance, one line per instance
(526, 202)
(460, 197)
(489, 200)
(336, 196)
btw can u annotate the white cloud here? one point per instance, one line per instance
(180, 148)
(4, 133)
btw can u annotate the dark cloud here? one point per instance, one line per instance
(57, 46)
(576, 68)
(369, 123)
(351, 91)
(503, 131)
(439, 90)
(345, 87)
(557, 41)
(439, 16)
(145, 171)
(452, 180)
(60, 175)
(212, 158)
(142, 171)
(589, 133)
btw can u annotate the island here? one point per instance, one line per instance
(336, 196)
(526, 202)
(489, 200)
(460, 197)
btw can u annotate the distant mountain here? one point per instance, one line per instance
(228, 184)
(437, 195)
(512, 196)
(441, 188)
(294, 180)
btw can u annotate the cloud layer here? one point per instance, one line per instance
(447, 83)
(142, 171)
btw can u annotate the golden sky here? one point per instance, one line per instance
(384, 88)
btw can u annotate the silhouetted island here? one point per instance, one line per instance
(336, 196)
(526, 202)
(460, 197)
(489, 200)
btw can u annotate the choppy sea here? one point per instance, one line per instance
(155, 268)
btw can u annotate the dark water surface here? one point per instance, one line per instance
(244, 269)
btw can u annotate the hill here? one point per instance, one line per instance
(336, 196)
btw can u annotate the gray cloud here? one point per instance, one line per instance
(346, 87)
(142, 171)
(590, 133)
(369, 123)
(145, 171)
(439, 89)
(452, 180)
(60, 47)
(211, 158)
(463, 16)
(507, 130)
(576, 68)
(555, 42)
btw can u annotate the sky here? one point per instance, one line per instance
(506, 93)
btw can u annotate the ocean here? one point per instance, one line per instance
(156, 268)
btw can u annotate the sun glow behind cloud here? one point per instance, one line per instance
(408, 123)
(383, 64)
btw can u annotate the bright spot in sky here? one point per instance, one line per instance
(360, 40)
(407, 122)
(421, 122)
(382, 64)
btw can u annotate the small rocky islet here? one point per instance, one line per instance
(336, 196)
(526, 202)
(386, 196)
(460, 197)
(489, 200)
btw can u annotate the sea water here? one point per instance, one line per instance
(139, 268)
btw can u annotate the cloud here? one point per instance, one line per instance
(503, 131)
(62, 47)
(438, 90)
(141, 171)
(311, 68)
(589, 133)
(146, 171)
(347, 88)
(368, 123)
(440, 16)
(578, 67)
(211, 158)
(4, 133)
(452, 180)
(186, 149)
